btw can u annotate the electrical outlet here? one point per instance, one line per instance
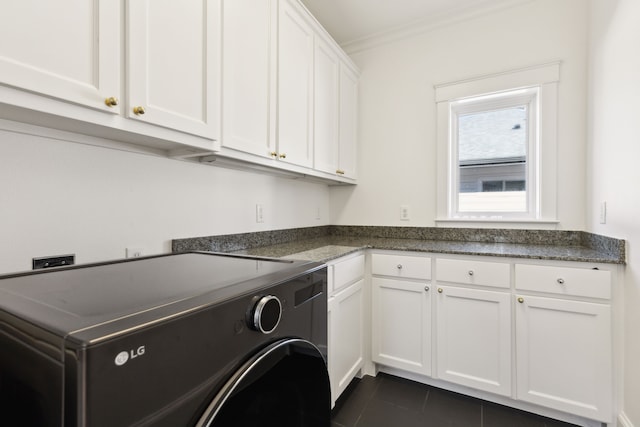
(134, 252)
(404, 213)
(603, 213)
(318, 215)
(259, 213)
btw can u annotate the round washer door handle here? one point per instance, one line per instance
(266, 314)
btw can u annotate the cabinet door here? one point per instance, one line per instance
(295, 86)
(69, 50)
(172, 64)
(563, 353)
(474, 338)
(249, 75)
(401, 335)
(325, 124)
(346, 354)
(348, 128)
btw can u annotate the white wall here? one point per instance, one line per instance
(614, 152)
(59, 197)
(397, 109)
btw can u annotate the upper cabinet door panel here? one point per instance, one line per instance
(348, 129)
(325, 140)
(69, 50)
(172, 65)
(295, 86)
(248, 70)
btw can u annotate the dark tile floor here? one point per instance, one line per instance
(389, 401)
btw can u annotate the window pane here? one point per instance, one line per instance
(492, 160)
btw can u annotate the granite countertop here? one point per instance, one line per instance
(327, 248)
(325, 243)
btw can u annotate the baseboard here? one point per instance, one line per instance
(624, 421)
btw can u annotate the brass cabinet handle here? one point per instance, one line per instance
(273, 154)
(283, 156)
(520, 300)
(111, 101)
(440, 290)
(340, 172)
(139, 110)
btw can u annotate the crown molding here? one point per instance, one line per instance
(451, 17)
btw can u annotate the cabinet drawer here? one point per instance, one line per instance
(409, 267)
(564, 280)
(495, 274)
(346, 272)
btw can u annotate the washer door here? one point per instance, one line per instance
(286, 385)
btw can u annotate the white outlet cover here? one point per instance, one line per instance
(405, 213)
(134, 252)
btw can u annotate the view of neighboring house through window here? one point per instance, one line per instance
(492, 138)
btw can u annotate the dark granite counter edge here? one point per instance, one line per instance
(534, 244)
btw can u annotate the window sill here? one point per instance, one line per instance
(537, 224)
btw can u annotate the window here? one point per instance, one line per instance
(495, 133)
(493, 141)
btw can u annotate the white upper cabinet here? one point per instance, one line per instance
(68, 50)
(295, 86)
(59, 57)
(171, 64)
(325, 136)
(335, 112)
(348, 128)
(249, 72)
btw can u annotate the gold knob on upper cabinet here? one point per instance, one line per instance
(111, 101)
(340, 172)
(273, 154)
(139, 110)
(283, 156)
(440, 290)
(520, 300)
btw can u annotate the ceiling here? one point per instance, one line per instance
(352, 20)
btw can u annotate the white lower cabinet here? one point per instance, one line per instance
(473, 338)
(346, 353)
(564, 339)
(402, 325)
(539, 334)
(563, 350)
(345, 322)
(401, 308)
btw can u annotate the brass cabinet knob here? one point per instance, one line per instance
(139, 110)
(111, 101)
(399, 266)
(470, 272)
(560, 281)
(340, 172)
(283, 156)
(426, 289)
(440, 290)
(273, 154)
(520, 300)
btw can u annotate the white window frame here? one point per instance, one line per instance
(501, 100)
(541, 154)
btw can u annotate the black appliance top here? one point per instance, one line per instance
(107, 298)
